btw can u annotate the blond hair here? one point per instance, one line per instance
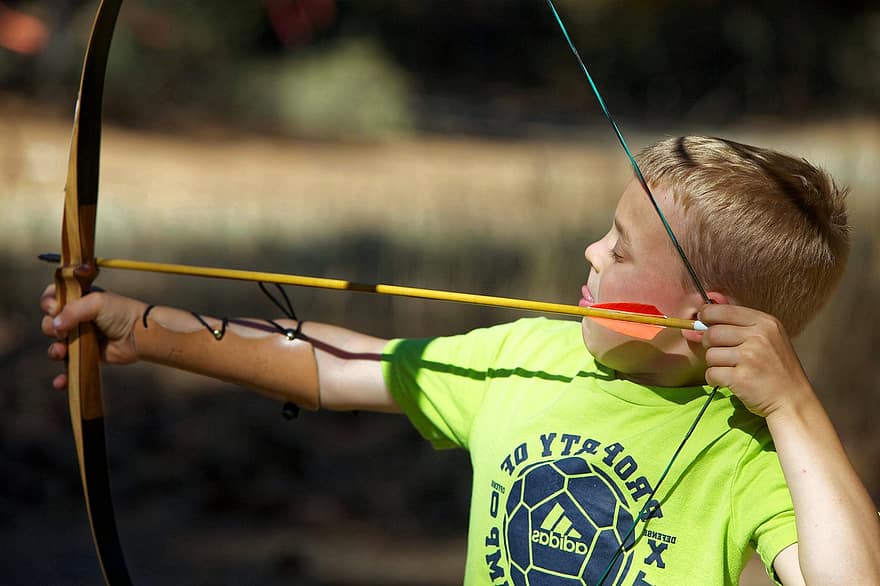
(764, 228)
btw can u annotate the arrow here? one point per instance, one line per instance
(639, 320)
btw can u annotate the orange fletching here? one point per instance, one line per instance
(627, 328)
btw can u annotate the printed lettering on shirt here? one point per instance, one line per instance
(562, 509)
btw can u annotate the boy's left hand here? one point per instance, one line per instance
(749, 352)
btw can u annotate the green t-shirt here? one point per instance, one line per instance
(565, 455)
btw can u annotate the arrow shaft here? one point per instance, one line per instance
(396, 290)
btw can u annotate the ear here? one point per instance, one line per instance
(714, 297)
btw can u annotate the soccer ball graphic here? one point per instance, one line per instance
(564, 522)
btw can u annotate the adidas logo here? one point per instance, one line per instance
(557, 532)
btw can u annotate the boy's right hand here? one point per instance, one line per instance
(113, 315)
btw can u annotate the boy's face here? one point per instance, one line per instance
(635, 261)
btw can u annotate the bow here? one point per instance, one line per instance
(73, 279)
(79, 267)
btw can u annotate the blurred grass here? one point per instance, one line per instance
(312, 94)
(217, 466)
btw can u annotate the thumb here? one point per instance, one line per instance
(75, 312)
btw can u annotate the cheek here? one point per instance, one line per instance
(621, 282)
(644, 285)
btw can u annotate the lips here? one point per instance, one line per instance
(586, 297)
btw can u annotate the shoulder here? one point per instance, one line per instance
(517, 337)
(530, 344)
(532, 340)
(542, 332)
(535, 328)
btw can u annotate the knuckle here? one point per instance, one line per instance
(47, 303)
(778, 327)
(713, 376)
(715, 336)
(96, 300)
(710, 336)
(711, 356)
(771, 323)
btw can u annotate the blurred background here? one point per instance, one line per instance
(434, 144)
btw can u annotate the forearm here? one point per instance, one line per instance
(324, 366)
(837, 523)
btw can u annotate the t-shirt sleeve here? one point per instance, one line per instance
(765, 511)
(440, 383)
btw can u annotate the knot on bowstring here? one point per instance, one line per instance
(289, 333)
(289, 410)
(287, 309)
(217, 333)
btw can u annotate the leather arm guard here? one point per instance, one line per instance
(264, 360)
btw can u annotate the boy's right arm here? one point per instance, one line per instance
(337, 369)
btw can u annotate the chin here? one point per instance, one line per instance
(587, 335)
(600, 341)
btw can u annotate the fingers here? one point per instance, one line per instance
(48, 327)
(57, 322)
(725, 343)
(49, 306)
(48, 302)
(60, 382)
(722, 357)
(724, 336)
(720, 375)
(57, 351)
(731, 326)
(737, 315)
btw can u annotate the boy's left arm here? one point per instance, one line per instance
(837, 523)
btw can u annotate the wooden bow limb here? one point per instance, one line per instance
(78, 250)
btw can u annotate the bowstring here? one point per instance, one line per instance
(644, 512)
(647, 510)
(632, 160)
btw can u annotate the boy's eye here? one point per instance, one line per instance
(615, 255)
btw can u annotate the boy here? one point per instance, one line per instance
(569, 447)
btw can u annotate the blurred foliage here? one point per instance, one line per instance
(485, 67)
(353, 86)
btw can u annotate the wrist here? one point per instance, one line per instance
(800, 409)
(138, 323)
(152, 327)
